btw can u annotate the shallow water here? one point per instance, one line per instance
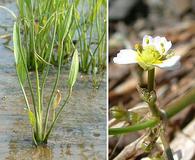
(79, 134)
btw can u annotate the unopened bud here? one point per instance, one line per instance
(119, 113)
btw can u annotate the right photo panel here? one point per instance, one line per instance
(151, 80)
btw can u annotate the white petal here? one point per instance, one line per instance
(170, 64)
(126, 56)
(168, 46)
(149, 39)
(158, 41)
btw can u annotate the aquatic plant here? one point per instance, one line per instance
(153, 52)
(47, 35)
(37, 25)
(91, 30)
(87, 18)
(40, 113)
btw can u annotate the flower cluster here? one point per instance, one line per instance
(154, 52)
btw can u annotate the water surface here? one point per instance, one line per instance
(81, 129)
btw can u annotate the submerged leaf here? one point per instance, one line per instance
(73, 70)
(31, 117)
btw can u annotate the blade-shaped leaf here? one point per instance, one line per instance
(67, 22)
(20, 64)
(73, 70)
(96, 9)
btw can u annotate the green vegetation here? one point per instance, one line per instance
(80, 24)
(48, 34)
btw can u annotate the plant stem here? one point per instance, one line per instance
(169, 154)
(171, 110)
(39, 107)
(180, 103)
(151, 80)
(156, 112)
(140, 126)
(57, 115)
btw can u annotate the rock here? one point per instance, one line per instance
(127, 10)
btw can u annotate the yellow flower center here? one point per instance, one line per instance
(148, 57)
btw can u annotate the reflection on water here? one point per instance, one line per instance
(79, 134)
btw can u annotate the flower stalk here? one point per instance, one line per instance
(151, 83)
(157, 113)
(154, 52)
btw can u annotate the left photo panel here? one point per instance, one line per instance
(53, 79)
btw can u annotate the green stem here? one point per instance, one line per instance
(29, 81)
(151, 80)
(57, 115)
(171, 110)
(156, 112)
(60, 57)
(154, 109)
(52, 94)
(140, 126)
(39, 120)
(39, 132)
(50, 55)
(180, 103)
(169, 154)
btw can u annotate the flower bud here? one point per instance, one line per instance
(119, 113)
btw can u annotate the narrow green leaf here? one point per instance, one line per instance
(31, 117)
(20, 66)
(96, 9)
(28, 4)
(73, 70)
(69, 17)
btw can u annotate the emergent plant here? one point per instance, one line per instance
(40, 113)
(154, 52)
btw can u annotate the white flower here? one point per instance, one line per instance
(154, 52)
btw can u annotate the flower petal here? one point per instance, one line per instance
(168, 46)
(147, 40)
(170, 64)
(162, 45)
(126, 56)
